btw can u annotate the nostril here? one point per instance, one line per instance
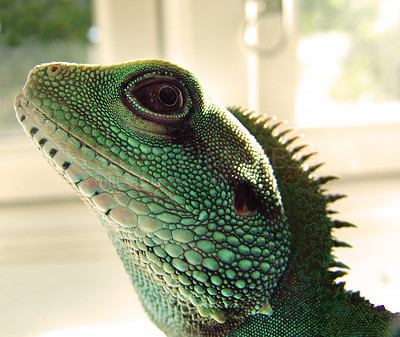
(53, 70)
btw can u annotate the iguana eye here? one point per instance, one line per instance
(160, 97)
(162, 100)
(245, 200)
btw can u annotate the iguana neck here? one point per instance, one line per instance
(175, 317)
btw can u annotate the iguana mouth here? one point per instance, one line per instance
(65, 151)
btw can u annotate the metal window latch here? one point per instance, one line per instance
(265, 29)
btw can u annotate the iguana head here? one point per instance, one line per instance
(185, 192)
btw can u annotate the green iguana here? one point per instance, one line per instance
(221, 229)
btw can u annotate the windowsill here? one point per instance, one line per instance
(320, 113)
(356, 151)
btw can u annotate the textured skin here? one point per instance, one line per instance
(222, 231)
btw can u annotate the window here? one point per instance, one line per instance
(330, 66)
(33, 32)
(349, 69)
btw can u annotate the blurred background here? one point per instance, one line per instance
(330, 68)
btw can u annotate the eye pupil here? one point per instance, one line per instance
(168, 96)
